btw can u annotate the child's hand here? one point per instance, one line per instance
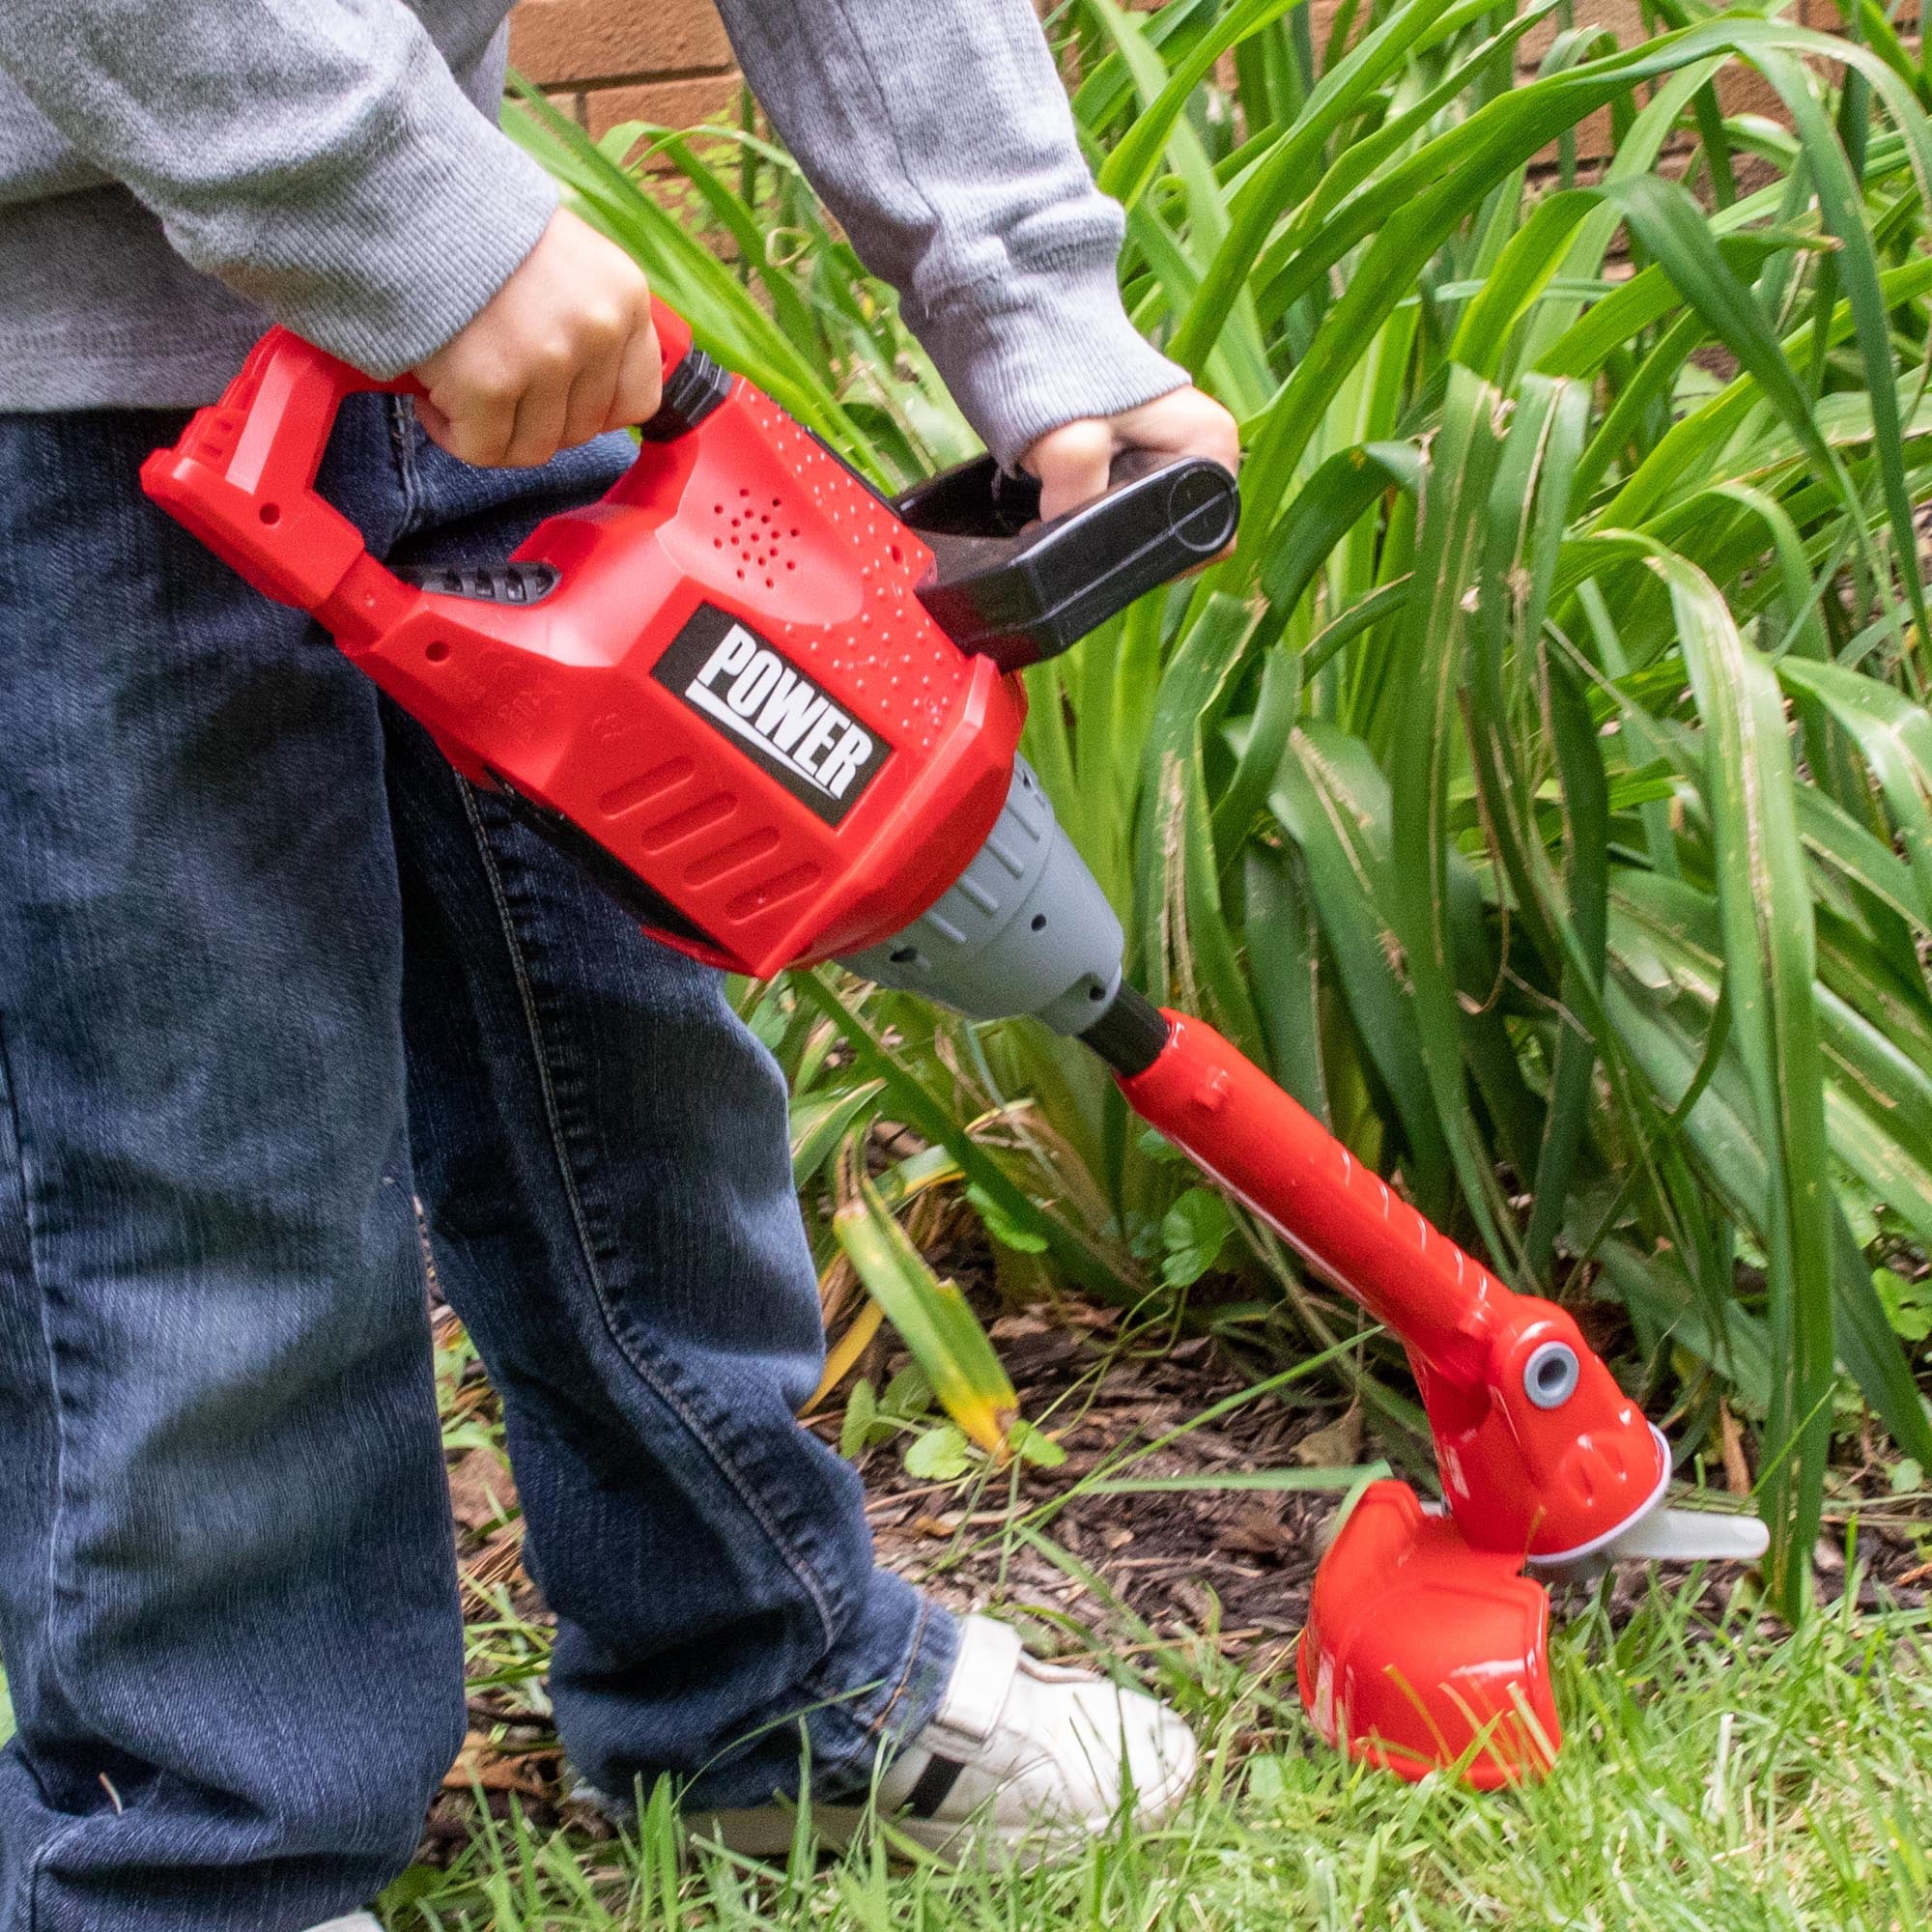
(564, 350)
(1072, 460)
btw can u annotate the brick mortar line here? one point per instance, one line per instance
(646, 77)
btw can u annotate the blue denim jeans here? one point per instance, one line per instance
(269, 971)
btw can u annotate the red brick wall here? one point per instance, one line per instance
(606, 61)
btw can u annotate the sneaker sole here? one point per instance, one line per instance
(769, 1831)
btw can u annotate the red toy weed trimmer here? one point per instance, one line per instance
(775, 716)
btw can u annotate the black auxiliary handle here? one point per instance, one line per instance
(1017, 591)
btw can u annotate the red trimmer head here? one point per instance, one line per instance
(1422, 1651)
(775, 714)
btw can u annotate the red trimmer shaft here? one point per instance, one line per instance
(1542, 1455)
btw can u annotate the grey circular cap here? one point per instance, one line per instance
(1550, 1376)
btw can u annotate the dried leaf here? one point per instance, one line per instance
(481, 1492)
(480, 1763)
(1334, 1446)
(1257, 1532)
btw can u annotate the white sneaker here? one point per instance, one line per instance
(1024, 1761)
(357, 1921)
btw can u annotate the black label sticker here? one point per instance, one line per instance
(745, 685)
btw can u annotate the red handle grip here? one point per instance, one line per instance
(243, 479)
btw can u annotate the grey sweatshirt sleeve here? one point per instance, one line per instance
(940, 135)
(318, 156)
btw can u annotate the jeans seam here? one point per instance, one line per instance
(876, 1727)
(404, 432)
(38, 1274)
(560, 1152)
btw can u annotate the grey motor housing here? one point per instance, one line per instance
(1025, 928)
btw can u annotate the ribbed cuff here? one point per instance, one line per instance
(1041, 347)
(384, 263)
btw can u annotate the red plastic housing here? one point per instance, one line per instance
(1422, 1653)
(734, 578)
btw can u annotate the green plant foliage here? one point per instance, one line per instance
(1908, 1305)
(1193, 1233)
(938, 1455)
(1542, 790)
(946, 1339)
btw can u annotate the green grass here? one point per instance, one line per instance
(1711, 1780)
(1719, 1773)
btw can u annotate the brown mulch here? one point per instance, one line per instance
(1234, 1565)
